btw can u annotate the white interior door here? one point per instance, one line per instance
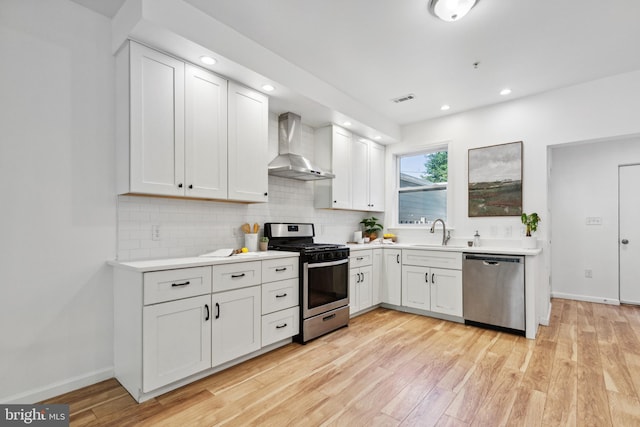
(629, 233)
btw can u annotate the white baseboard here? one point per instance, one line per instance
(585, 298)
(56, 389)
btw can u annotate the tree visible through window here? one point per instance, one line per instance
(422, 189)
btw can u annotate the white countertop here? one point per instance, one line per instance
(499, 250)
(172, 263)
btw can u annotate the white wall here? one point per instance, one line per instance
(584, 183)
(597, 110)
(58, 210)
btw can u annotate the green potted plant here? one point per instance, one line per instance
(371, 227)
(531, 223)
(264, 243)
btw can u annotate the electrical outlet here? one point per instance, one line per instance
(155, 232)
(508, 231)
(594, 220)
(588, 273)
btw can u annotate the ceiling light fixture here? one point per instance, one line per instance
(268, 87)
(451, 10)
(207, 60)
(445, 107)
(505, 91)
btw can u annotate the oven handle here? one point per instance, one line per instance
(326, 264)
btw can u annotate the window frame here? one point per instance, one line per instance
(397, 189)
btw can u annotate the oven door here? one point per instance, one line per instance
(325, 286)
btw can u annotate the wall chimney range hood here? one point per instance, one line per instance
(289, 163)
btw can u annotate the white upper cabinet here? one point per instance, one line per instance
(205, 134)
(184, 131)
(333, 153)
(248, 144)
(155, 102)
(358, 165)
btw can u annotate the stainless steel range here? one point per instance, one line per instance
(324, 278)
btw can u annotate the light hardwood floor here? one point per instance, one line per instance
(397, 369)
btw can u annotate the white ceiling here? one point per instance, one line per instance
(377, 50)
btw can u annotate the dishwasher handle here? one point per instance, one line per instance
(494, 259)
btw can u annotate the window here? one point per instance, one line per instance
(422, 186)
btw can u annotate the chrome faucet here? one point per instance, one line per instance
(445, 236)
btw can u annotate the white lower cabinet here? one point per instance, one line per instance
(176, 340)
(391, 288)
(236, 323)
(360, 281)
(434, 289)
(176, 325)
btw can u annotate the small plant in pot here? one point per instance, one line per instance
(531, 223)
(264, 243)
(371, 227)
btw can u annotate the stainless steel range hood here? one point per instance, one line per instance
(289, 163)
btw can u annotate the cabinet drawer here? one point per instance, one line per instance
(168, 285)
(360, 258)
(427, 258)
(279, 269)
(235, 276)
(280, 325)
(277, 296)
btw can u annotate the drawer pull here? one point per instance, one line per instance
(281, 269)
(281, 295)
(329, 317)
(175, 285)
(359, 258)
(284, 325)
(235, 276)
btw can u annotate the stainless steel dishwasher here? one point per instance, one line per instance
(493, 291)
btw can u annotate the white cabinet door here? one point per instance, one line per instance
(446, 291)
(248, 144)
(156, 123)
(236, 317)
(176, 340)
(205, 134)
(376, 177)
(416, 288)
(392, 276)
(341, 167)
(360, 289)
(376, 277)
(360, 174)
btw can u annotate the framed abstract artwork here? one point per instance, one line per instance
(495, 180)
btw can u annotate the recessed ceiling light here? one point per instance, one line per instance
(445, 107)
(505, 91)
(207, 60)
(347, 123)
(268, 87)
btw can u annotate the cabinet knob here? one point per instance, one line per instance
(180, 185)
(190, 186)
(335, 201)
(266, 194)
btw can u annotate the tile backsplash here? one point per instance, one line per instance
(192, 227)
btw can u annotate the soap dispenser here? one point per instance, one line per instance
(476, 239)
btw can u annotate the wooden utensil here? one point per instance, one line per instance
(246, 228)
(256, 227)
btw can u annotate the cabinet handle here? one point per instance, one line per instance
(190, 186)
(362, 277)
(329, 317)
(281, 269)
(433, 280)
(426, 277)
(180, 185)
(175, 285)
(266, 194)
(335, 201)
(398, 259)
(206, 306)
(235, 276)
(217, 311)
(281, 295)
(284, 325)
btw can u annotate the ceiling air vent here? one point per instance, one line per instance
(404, 98)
